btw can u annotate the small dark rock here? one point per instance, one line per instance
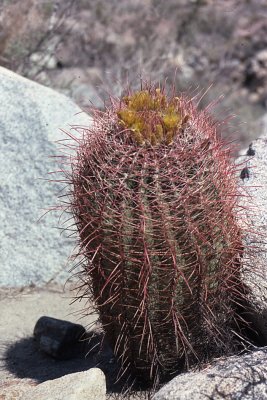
(244, 173)
(57, 338)
(59, 65)
(251, 151)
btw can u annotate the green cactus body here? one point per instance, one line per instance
(154, 198)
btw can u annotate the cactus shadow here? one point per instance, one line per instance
(23, 359)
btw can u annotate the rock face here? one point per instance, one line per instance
(253, 176)
(13, 389)
(31, 115)
(234, 378)
(88, 385)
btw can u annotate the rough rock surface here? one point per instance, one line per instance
(87, 385)
(234, 378)
(31, 115)
(253, 170)
(13, 389)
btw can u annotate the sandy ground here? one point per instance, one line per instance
(20, 310)
(20, 357)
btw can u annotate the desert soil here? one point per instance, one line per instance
(20, 310)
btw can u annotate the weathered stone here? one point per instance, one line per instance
(13, 389)
(254, 219)
(88, 385)
(234, 378)
(60, 339)
(31, 116)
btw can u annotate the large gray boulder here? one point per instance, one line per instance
(253, 178)
(234, 378)
(31, 115)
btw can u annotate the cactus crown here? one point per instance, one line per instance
(151, 117)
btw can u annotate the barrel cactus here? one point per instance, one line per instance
(154, 197)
